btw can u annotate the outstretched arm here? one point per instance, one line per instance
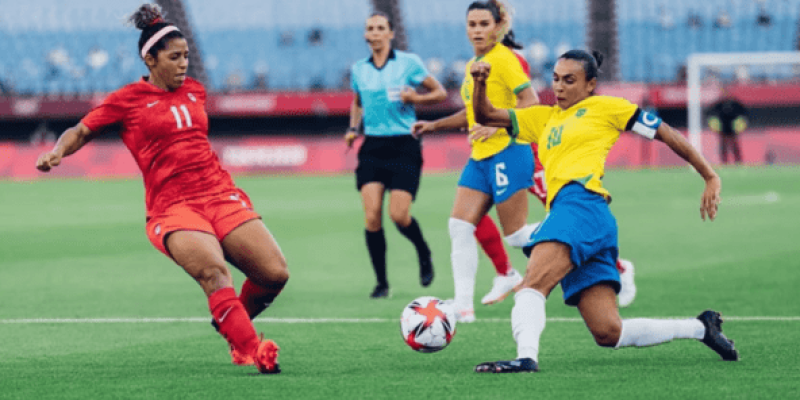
(454, 121)
(681, 147)
(485, 113)
(70, 141)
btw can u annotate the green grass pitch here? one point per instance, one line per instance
(73, 249)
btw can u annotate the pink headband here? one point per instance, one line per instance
(155, 38)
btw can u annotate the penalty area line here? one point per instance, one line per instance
(317, 320)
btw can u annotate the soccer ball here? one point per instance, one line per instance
(428, 324)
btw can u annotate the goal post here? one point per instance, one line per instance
(699, 61)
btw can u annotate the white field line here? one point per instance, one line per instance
(310, 320)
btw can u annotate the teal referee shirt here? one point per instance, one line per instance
(379, 90)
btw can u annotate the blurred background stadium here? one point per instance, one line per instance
(281, 68)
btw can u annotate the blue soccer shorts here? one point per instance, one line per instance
(582, 220)
(501, 175)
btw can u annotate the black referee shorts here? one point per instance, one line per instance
(394, 161)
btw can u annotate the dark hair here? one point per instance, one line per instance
(591, 62)
(384, 15)
(490, 6)
(511, 42)
(149, 19)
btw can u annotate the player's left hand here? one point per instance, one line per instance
(711, 198)
(480, 133)
(408, 95)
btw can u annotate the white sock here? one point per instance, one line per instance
(527, 322)
(464, 258)
(521, 237)
(641, 332)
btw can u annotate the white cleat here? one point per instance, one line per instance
(464, 315)
(628, 290)
(501, 287)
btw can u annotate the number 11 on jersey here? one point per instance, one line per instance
(178, 116)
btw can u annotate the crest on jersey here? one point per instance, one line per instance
(192, 98)
(580, 113)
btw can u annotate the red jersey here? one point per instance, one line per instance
(167, 134)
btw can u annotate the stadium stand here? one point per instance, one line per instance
(81, 47)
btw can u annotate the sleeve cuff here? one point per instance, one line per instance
(514, 124)
(522, 87)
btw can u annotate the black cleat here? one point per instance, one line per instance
(504, 367)
(380, 292)
(426, 271)
(714, 337)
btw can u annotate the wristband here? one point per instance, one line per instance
(352, 129)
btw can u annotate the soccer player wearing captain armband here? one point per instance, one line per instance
(576, 244)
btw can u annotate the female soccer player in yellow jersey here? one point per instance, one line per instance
(501, 168)
(576, 244)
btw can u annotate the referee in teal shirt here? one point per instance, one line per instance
(390, 158)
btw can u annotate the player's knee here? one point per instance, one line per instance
(372, 220)
(213, 277)
(607, 335)
(400, 217)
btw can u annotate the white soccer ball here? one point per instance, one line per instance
(428, 324)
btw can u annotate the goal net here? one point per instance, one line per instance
(766, 84)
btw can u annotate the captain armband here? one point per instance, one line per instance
(645, 124)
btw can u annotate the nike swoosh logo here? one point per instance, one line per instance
(500, 192)
(152, 104)
(222, 318)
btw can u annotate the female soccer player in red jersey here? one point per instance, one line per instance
(195, 213)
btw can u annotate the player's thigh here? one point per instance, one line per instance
(201, 256)
(400, 206)
(549, 263)
(372, 202)
(470, 205)
(513, 213)
(598, 307)
(255, 252)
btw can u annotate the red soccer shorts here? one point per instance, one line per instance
(218, 215)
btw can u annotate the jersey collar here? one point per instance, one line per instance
(391, 57)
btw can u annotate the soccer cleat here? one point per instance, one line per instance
(501, 287)
(504, 367)
(266, 357)
(241, 359)
(714, 337)
(628, 290)
(426, 271)
(380, 292)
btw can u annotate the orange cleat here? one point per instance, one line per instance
(266, 357)
(240, 358)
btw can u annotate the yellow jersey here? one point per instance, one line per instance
(506, 80)
(574, 143)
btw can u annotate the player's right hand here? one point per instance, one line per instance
(480, 71)
(421, 127)
(48, 160)
(349, 138)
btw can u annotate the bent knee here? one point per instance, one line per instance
(213, 277)
(372, 221)
(607, 336)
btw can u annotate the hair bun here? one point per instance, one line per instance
(146, 15)
(599, 57)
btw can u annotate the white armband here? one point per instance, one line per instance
(646, 124)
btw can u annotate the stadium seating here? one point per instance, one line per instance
(52, 46)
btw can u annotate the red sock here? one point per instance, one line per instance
(234, 325)
(620, 267)
(256, 299)
(492, 243)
